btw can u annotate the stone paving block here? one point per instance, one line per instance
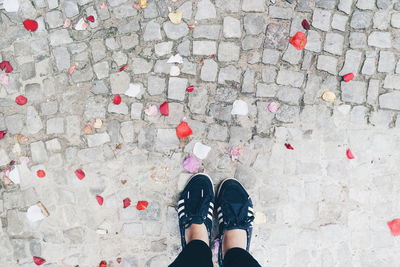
(252, 42)
(177, 88)
(266, 90)
(380, 39)
(276, 36)
(327, 63)
(369, 67)
(152, 31)
(288, 77)
(352, 62)
(119, 82)
(339, 22)
(254, 24)
(174, 31)
(268, 74)
(390, 100)
(292, 55)
(59, 37)
(366, 4)
(198, 101)
(54, 19)
(4, 159)
(321, 19)
(354, 92)
(55, 126)
(314, 41)
(392, 82)
(15, 123)
(253, 5)
(280, 12)
(326, 4)
(101, 69)
(204, 48)
(288, 113)
(334, 43)
(358, 40)
(229, 73)
(228, 51)
(395, 20)
(217, 132)
(361, 20)
(248, 85)
(381, 20)
(38, 152)
(289, 95)
(209, 70)
(232, 28)
(270, 56)
(211, 32)
(387, 61)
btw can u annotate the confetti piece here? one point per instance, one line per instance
(191, 164)
(117, 99)
(190, 89)
(80, 174)
(100, 200)
(306, 24)
(289, 146)
(348, 77)
(142, 205)
(299, 40)
(176, 18)
(67, 23)
(126, 202)
(151, 110)
(349, 154)
(7, 66)
(103, 264)
(90, 18)
(200, 150)
(183, 130)
(2, 134)
(273, 107)
(240, 108)
(38, 260)
(143, 3)
(41, 173)
(394, 227)
(123, 67)
(21, 100)
(119, 259)
(329, 96)
(164, 109)
(31, 25)
(4, 79)
(235, 152)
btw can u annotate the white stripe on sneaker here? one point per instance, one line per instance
(250, 209)
(181, 208)
(221, 220)
(181, 201)
(249, 214)
(209, 216)
(220, 215)
(212, 205)
(182, 214)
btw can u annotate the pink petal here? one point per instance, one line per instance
(349, 154)
(273, 107)
(289, 146)
(4, 79)
(151, 110)
(235, 152)
(394, 227)
(191, 164)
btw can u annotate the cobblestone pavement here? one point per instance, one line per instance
(321, 208)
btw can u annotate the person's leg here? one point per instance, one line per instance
(195, 209)
(239, 257)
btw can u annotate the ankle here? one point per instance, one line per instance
(236, 238)
(197, 232)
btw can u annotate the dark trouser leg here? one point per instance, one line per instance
(196, 254)
(238, 257)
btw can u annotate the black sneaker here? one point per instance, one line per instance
(235, 211)
(196, 204)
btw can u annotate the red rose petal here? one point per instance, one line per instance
(119, 259)
(348, 77)
(164, 109)
(306, 24)
(349, 154)
(7, 66)
(90, 18)
(2, 134)
(100, 200)
(289, 146)
(103, 264)
(21, 100)
(127, 202)
(80, 174)
(213, 56)
(41, 173)
(123, 67)
(190, 89)
(117, 99)
(30, 25)
(394, 227)
(183, 130)
(38, 260)
(299, 40)
(142, 205)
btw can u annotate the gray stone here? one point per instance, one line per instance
(33, 92)
(4, 159)
(205, 10)
(141, 65)
(312, 91)
(361, 20)
(395, 21)
(270, 56)
(339, 22)
(136, 111)
(55, 126)
(314, 41)
(184, 48)
(354, 92)
(229, 6)
(124, 11)
(155, 85)
(27, 71)
(326, 4)
(166, 139)
(33, 122)
(159, 260)
(49, 108)
(54, 19)
(112, 43)
(269, 74)
(53, 145)
(225, 94)
(119, 82)
(152, 31)
(366, 4)
(387, 61)
(373, 92)
(248, 85)
(217, 132)
(292, 55)
(162, 49)
(352, 62)
(95, 108)
(52, 4)
(38, 152)
(368, 67)
(328, 64)
(129, 42)
(345, 6)
(204, 48)
(15, 123)
(254, 24)
(74, 235)
(289, 95)
(277, 12)
(132, 229)
(380, 39)
(209, 70)
(239, 135)
(118, 109)
(390, 100)
(59, 37)
(334, 43)
(98, 50)
(253, 5)
(119, 58)
(288, 77)
(175, 31)
(381, 20)
(99, 87)
(321, 19)
(70, 8)
(392, 82)
(101, 69)
(288, 113)
(198, 101)
(177, 88)
(82, 75)
(252, 42)
(228, 51)
(220, 112)
(230, 74)
(207, 31)
(266, 90)
(97, 139)
(384, 4)
(162, 66)
(232, 28)
(276, 36)
(358, 40)
(187, 9)
(63, 59)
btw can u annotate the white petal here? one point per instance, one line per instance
(14, 176)
(201, 151)
(34, 213)
(175, 71)
(240, 108)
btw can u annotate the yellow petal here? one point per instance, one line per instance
(143, 3)
(329, 96)
(176, 18)
(259, 218)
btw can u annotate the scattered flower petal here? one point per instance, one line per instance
(126, 202)
(22, 138)
(31, 25)
(190, 89)
(306, 24)
(34, 213)
(123, 181)
(192, 26)
(5, 65)
(90, 18)
(80, 174)
(123, 67)
(299, 40)
(176, 18)
(100, 200)
(71, 69)
(164, 109)
(235, 152)
(183, 130)
(259, 218)
(97, 123)
(87, 129)
(24, 160)
(143, 3)
(21, 100)
(117, 99)
(348, 77)
(4, 79)
(240, 108)
(81, 25)
(213, 55)
(41, 173)
(273, 107)
(2, 134)
(394, 227)
(67, 23)
(142, 205)
(133, 90)
(151, 110)
(38, 260)
(329, 96)
(200, 150)
(103, 5)
(175, 59)
(349, 154)
(11, 5)
(119, 259)
(103, 264)
(191, 164)
(174, 71)
(14, 176)
(136, 6)
(289, 146)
